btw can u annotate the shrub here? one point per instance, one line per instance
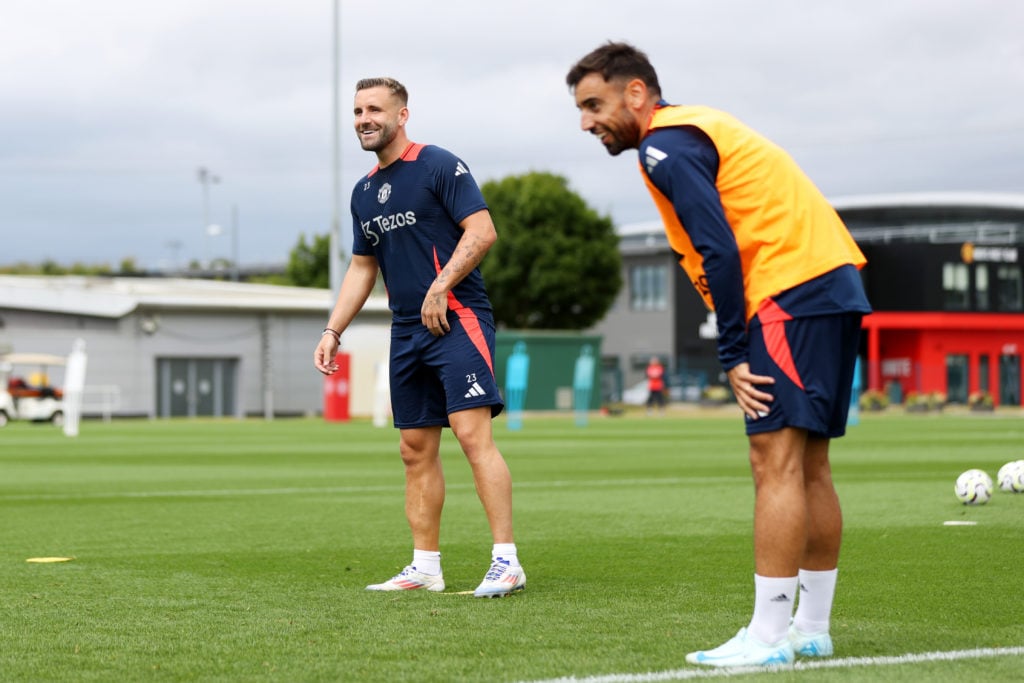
(715, 394)
(873, 399)
(980, 400)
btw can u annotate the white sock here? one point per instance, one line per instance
(773, 607)
(814, 609)
(507, 552)
(427, 561)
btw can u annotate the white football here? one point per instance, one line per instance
(973, 487)
(1011, 477)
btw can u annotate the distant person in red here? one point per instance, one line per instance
(655, 385)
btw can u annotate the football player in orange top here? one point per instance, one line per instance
(771, 257)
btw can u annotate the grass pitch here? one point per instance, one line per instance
(239, 551)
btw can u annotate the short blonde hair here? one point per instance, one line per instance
(394, 87)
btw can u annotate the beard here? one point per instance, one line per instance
(624, 135)
(383, 139)
(615, 146)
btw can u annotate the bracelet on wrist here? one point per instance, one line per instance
(333, 333)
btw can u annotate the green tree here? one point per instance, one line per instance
(129, 266)
(308, 264)
(556, 264)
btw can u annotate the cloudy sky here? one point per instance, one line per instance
(108, 108)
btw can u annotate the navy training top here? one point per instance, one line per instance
(407, 215)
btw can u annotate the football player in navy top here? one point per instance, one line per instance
(420, 220)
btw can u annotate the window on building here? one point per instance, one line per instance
(648, 288)
(981, 287)
(955, 286)
(956, 378)
(1007, 288)
(1009, 379)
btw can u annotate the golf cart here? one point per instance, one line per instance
(25, 389)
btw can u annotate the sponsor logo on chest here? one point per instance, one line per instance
(380, 224)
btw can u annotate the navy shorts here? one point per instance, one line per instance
(812, 360)
(432, 377)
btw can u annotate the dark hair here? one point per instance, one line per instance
(396, 88)
(616, 60)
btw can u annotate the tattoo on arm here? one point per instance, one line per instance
(467, 256)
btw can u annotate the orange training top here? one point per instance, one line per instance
(786, 231)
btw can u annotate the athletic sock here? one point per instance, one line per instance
(427, 561)
(773, 607)
(814, 609)
(505, 551)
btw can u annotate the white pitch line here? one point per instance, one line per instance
(285, 491)
(803, 665)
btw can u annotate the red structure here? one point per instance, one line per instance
(946, 352)
(945, 277)
(336, 390)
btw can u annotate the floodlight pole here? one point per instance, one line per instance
(234, 243)
(334, 257)
(206, 178)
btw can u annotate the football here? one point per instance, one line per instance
(1011, 477)
(973, 487)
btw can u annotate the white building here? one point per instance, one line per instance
(182, 347)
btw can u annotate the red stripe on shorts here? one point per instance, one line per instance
(773, 326)
(469, 322)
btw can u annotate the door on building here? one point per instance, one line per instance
(611, 380)
(1009, 380)
(956, 378)
(192, 387)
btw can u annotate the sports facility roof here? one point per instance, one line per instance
(974, 200)
(115, 297)
(937, 217)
